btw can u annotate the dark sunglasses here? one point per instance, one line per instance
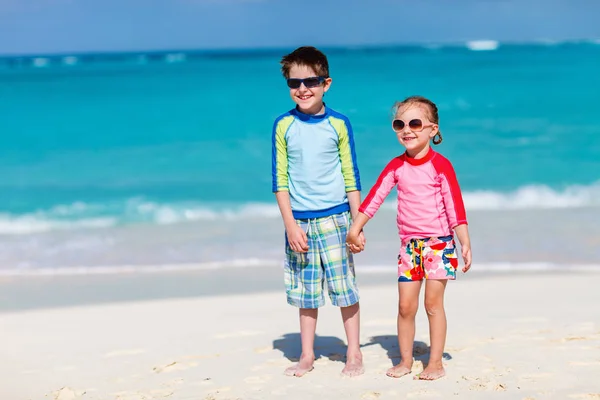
(313, 81)
(415, 125)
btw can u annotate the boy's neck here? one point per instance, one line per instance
(315, 111)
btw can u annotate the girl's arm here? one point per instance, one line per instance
(353, 238)
(382, 188)
(462, 232)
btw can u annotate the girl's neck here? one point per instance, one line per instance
(416, 154)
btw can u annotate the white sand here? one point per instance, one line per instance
(510, 337)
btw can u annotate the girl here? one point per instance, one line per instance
(430, 207)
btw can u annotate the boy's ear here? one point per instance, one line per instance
(326, 84)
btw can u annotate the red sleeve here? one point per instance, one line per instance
(453, 201)
(382, 188)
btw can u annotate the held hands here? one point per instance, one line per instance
(355, 241)
(297, 239)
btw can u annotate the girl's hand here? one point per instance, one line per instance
(355, 242)
(297, 239)
(466, 255)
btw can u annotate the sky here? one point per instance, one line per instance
(73, 26)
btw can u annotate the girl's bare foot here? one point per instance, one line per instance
(399, 371)
(304, 365)
(354, 366)
(431, 373)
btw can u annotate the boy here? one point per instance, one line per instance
(317, 185)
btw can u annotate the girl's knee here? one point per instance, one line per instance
(408, 308)
(434, 306)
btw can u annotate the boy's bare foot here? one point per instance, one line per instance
(431, 373)
(398, 371)
(354, 365)
(304, 365)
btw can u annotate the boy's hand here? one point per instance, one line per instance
(355, 242)
(297, 239)
(466, 255)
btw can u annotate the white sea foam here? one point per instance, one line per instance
(482, 45)
(81, 215)
(505, 267)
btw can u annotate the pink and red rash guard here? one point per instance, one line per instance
(430, 203)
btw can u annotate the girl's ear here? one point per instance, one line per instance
(434, 130)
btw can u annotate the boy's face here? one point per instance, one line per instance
(309, 100)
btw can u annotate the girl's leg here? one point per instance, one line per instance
(408, 303)
(434, 305)
(308, 327)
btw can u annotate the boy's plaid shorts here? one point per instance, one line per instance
(328, 259)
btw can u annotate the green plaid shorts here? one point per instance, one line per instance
(328, 259)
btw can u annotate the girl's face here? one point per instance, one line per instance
(414, 129)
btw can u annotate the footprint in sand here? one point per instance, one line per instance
(174, 366)
(262, 350)
(128, 396)
(381, 322)
(122, 353)
(536, 377)
(585, 363)
(253, 380)
(66, 393)
(500, 387)
(238, 334)
(573, 338)
(423, 393)
(478, 387)
(478, 383)
(370, 396)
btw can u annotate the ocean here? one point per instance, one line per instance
(150, 161)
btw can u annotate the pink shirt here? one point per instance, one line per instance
(429, 200)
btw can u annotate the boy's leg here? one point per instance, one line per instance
(304, 288)
(308, 327)
(351, 318)
(434, 305)
(343, 292)
(408, 303)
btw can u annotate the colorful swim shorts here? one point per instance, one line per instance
(328, 259)
(430, 258)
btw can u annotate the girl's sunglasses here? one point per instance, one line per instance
(415, 125)
(313, 81)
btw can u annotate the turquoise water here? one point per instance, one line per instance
(104, 141)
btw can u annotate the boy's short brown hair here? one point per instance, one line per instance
(306, 56)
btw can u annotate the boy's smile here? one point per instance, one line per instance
(309, 100)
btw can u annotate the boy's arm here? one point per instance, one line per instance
(348, 158)
(354, 200)
(462, 232)
(296, 236)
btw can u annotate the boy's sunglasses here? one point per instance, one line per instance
(415, 125)
(313, 81)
